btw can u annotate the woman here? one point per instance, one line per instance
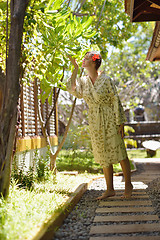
(106, 119)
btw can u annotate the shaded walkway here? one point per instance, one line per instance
(134, 219)
(116, 219)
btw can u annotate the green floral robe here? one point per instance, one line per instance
(105, 116)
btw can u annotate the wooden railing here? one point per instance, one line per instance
(144, 131)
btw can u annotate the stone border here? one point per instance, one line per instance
(51, 225)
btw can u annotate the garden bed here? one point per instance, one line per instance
(25, 212)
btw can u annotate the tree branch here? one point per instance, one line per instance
(101, 14)
(66, 130)
(55, 101)
(82, 3)
(82, 14)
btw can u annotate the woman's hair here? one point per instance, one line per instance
(96, 57)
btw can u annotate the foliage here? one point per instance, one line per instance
(25, 176)
(129, 142)
(78, 138)
(57, 33)
(3, 11)
(111, 22)
(135, 77)
(54, 28)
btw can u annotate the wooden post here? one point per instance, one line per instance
(47, 115)
(35, 106)
(22, 111)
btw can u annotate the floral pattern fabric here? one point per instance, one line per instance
(105, 115)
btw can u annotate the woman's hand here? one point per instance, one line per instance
(121, 130)
(73, 61)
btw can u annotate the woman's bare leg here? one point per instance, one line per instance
(127, 176)
(108, 174)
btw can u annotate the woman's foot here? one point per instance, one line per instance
(128, 191)
(106, 194)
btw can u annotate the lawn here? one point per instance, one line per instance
(82, 161)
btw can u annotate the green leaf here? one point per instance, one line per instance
(89, 35)
(50, 98)
(74, 49)
(45, 94)
(87, 23)
(57, 4)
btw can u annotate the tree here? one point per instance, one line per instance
(134, 76)
(10, 93)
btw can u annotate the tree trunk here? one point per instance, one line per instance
(10, 95)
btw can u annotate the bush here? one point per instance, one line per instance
(39, 170)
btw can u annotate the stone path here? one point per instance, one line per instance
(134, 219)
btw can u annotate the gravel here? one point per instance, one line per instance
(77, 225)
(153, 191)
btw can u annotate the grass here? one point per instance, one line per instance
(78, 160)
(24, 212)
(82, 161)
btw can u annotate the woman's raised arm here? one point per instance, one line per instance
(74, 73)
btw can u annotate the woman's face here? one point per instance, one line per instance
(87, 61)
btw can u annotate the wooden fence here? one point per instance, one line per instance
(29, 126)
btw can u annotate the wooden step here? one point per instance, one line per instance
(133, 197)
(124, 209)
(127, 238)
(129, 228)
(134, 193)
(124, 218)
(125, 203)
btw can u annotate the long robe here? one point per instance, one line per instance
(105, 115)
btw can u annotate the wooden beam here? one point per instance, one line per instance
(144, 12)
(157, 2)
(146, 18)
(131, 10)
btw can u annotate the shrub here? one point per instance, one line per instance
(25, 177)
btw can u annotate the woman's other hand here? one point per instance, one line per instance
(73, 61)
(121, 130)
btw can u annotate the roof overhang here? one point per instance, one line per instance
(154, 49)
(143, 10)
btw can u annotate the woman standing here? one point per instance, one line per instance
(106, 119)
